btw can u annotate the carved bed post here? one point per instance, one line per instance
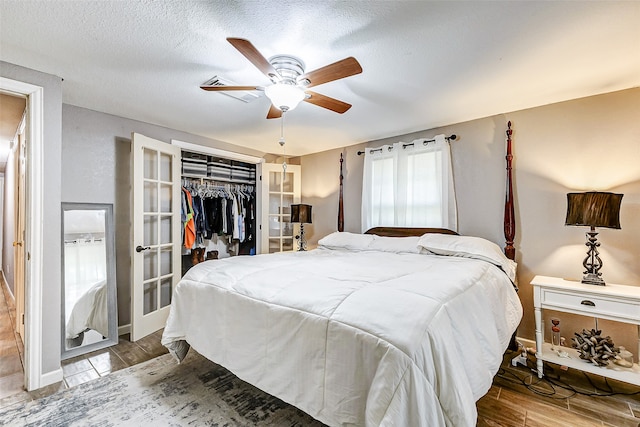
(510, 220)
(509, 216)
(340, 203)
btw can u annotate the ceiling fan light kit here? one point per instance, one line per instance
(284, 96)
(290, 81)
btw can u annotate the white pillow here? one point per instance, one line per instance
(396, 244)
(469, 247)
(346, 240)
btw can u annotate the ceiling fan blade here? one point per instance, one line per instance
(255, 57)
(223, 88)
(274, 112)
(327, 102)
(338, 70)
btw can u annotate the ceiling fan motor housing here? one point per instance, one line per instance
(289, 68)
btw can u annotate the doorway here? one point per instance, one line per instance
(32, 237)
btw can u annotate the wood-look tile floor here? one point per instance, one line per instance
(76, 370)
(562, 398)
(512, 400)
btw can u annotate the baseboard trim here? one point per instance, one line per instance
(526, 342)
(51, 377)
(124, 329)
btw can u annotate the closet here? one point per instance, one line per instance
(219, 212)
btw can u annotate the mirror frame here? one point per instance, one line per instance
(109, 229)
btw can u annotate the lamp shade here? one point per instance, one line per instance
(284, 96)
(301, 214)
(594, 209)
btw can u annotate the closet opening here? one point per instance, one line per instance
(218, 208)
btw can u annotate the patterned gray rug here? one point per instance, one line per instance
(159, 392)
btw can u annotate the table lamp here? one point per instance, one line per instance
(593, 209)
(302, 214)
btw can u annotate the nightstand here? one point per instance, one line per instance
(614, 302)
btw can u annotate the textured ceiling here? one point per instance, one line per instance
(426, 64)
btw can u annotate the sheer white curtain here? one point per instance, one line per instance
(409, 185)
(84, 265)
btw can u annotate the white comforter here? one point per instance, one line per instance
(90, 312)
(362, 338)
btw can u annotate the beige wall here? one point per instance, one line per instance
(586, 144)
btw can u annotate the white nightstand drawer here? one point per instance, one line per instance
(591, 304)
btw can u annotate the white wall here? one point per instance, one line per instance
(96, 169)
(52, 117)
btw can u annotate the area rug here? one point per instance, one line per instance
(160, 392)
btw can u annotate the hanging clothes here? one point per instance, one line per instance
(199, 220)
(189, 236)
(219, 202)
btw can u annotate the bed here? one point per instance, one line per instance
(88, 312)
(366, 330)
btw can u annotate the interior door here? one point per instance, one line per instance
(18, 258)
(280, 189)
(156, 229)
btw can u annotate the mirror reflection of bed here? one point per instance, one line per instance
(88, 276)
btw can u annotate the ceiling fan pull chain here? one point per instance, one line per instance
(282, 144)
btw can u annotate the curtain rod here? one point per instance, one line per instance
(425, 142)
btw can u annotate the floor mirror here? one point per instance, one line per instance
(89, 312)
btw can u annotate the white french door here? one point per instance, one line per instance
(280, 189)
(156, 229)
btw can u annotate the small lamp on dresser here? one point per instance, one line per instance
(593, 209)
(302, 214)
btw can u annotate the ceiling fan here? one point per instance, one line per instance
(290, 81)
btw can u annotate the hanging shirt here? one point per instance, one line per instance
(199, 220)
(225, 218)
(189, 226)
(234, 217)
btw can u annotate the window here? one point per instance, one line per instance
(409, 185)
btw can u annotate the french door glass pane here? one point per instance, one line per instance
(150, 297)
(165, 167)
(274, 203)
(150, 230)
(150, 196)
(287, 201)
(287, 184)
(150, 264)
(275, 181)
(274, 226)
(165, 261)
(165, 229)
(287, 227)
(165, 197)
(150, 164)
(274, 245)
(165, 291)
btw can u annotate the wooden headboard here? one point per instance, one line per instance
(509, 215)
(406, 232)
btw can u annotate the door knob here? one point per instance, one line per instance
(142, 248)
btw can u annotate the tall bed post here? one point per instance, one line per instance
(340, 203)
(510, 221)
(509, 216)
